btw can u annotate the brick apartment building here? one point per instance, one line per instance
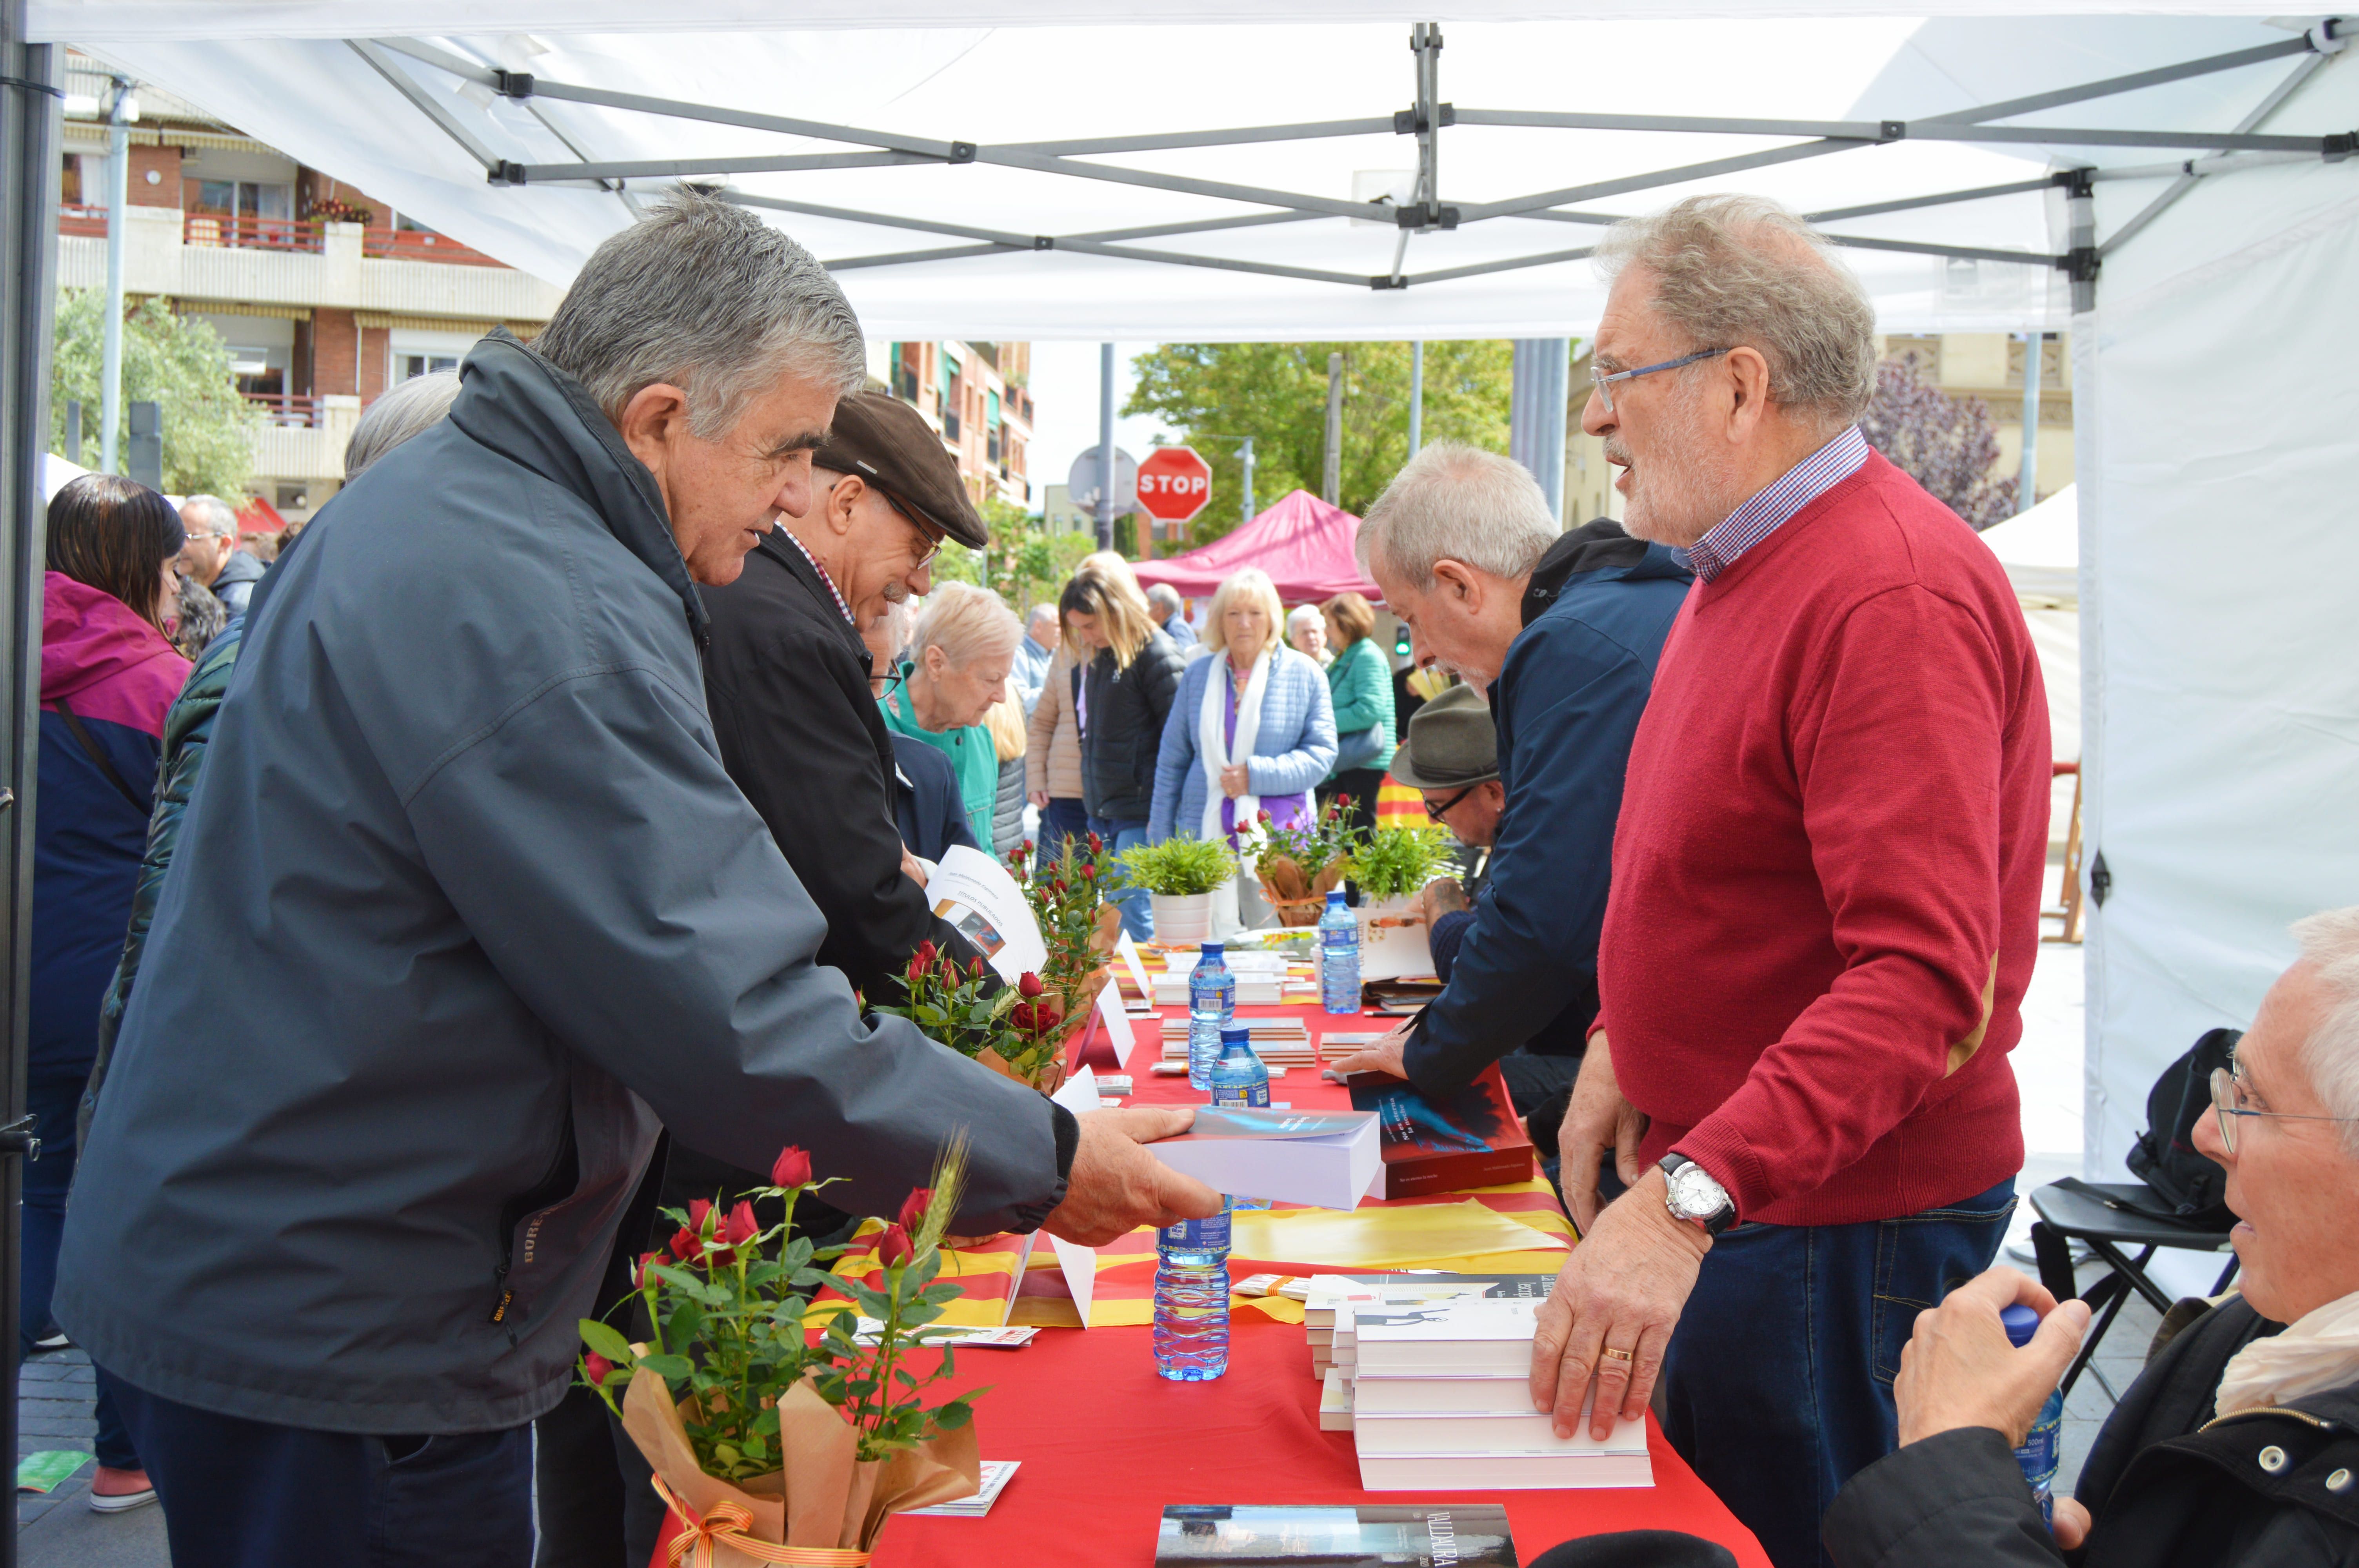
(327, 295)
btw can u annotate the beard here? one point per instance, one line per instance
(1678, 495)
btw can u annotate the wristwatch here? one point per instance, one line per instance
(1691, 1195)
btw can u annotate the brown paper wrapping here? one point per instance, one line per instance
(1298, 901)
(825, 1496)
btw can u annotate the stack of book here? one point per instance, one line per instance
(1262, 979)
(1278, 1042)
(1430, 1375)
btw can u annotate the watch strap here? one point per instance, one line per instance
(1719, 1219)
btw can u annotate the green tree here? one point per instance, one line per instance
(1025, 563)
(1277, 393)
(176, 361)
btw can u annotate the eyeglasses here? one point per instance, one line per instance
(2228, 1099)
(1438, 812)
(1603, 384)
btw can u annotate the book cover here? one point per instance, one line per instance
(1369, 1535)
(1474, 1139)
(1323, 1294)
(1469, 1334)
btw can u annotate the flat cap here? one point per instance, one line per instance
(889, 444)
(1451, 743)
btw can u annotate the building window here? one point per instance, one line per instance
(411, 366)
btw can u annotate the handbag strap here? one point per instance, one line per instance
(91, 745)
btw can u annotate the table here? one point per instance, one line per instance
(1105, 1443)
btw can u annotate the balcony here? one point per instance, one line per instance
(904, 382)
(286, 410)
(418, 244)
(216, 230)
(86, 223)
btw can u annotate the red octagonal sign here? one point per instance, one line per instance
(1174, 483)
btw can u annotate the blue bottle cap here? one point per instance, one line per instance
(1212, 950)
(2021, 1323)
(1334, 898)
(1236, 1033)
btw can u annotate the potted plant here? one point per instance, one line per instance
(1018, 1030)
(1179, 875)
(1080, 928)
(1392, 867)
(771, 1443)
(1298, 866)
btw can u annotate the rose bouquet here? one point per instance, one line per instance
(773, 1439)
(1298, 866)
(1017, 1031)
(1067, 896)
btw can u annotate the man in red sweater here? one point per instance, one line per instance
(1825, 891)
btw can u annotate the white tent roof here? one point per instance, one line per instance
(2041, 549)
(282, 72)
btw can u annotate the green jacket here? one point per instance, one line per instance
(973, 759)
(1360, 683)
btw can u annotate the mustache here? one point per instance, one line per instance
(897, 591)
(1619, 454)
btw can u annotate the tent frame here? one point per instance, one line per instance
(2217, 153)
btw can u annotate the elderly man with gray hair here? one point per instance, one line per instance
(466, 907)
(1170, 613)
(212, 556)
(1826, 888)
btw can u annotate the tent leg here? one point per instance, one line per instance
(29, 243)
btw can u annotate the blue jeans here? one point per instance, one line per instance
(53, 1097)
(247, 1494)
(1777, 1385)
(1059, 820)
(1137, 917)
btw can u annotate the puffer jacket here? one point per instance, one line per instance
(186, 727)
(1007, 812)
(1126, 711)
(1294, 744)
(2167, 1485)
(1052, 761)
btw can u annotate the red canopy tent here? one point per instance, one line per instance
(1302, 543)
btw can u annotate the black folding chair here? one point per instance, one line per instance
(2109, 1218)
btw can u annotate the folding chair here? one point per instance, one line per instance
(2108, 1217)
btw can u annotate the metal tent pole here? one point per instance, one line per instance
(1106, 446)
(1416, 396)
(29, 243)
(118, 194)
(2026, 491)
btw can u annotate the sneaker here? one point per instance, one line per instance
(55, 1339)
(113, 1491)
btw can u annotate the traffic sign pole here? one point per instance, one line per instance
(1105, 446)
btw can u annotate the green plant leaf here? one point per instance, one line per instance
(607, 1341)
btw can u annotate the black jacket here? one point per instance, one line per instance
(786, 680)
(926, 803)
(2166, 1484)
(1124, 730)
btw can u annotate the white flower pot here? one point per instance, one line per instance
(1182, 917)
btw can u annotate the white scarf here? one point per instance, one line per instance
(1212, 741)
(2317, 1350)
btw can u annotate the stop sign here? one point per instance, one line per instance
(1174, 483)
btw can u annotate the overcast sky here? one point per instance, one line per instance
(1065, 405)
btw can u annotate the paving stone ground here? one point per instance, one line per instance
(55, 1399)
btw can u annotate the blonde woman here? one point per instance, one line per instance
(1126, 670)
(961, 654)
(1251, 730)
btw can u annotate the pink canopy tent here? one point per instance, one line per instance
(1302, 543)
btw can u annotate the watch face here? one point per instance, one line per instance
(1694, 1195)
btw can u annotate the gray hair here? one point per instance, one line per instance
(1044, 610)
(218, 515)
(1166, 597)
(2330, 942)
(1453, 501)
(709, 298)
(414, 407)
(1303, 615)
(1734, 271)
(966, 623)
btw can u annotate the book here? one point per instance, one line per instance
(1477, 1335)
(993, 1480)
(1364, 1535)
(1474, 1139)
(1335, 1402)
(1324, 1294)
(1503, 1472)
(1327, 1157)
(974, 893)
(1519, 1432)
(1382, 1396)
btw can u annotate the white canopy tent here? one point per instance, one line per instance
(2216, 413)
(2042, 552)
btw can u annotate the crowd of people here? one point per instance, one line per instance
(452, 956)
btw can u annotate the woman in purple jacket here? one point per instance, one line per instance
(109, 671)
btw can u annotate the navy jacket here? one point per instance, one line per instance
(925, 802)
(1566, 704)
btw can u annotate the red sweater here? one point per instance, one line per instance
(1826, 867)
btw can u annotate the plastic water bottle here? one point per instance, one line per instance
(1240, 1079)
(1192, 1299)
(1339, 956)
(2038, 1454)
(1212, 1004)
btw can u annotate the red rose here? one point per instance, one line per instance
(742, 1226)
(1022, 1016)
(1089, 873)
(1262, 815)
(913, 1209)
(893, 1248)
(684, 1244)
(639, 1274)
(1028, 984)
(1096, 843)
(792, 1169)
(596, 1368)
(1027, 846)
(925, 954)
(699, 1212)
(1058, 885)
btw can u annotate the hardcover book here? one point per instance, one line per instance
(1474, 1139)
(1369, 1535)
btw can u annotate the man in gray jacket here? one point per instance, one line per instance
(491, 909)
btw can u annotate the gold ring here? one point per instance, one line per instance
(1617, 1354)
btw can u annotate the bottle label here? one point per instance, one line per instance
(1248, 1094)
(1198, 1235)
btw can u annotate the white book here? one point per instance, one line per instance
(1445, 1396)
(993, 1481)
(1503, 1472)
(1335, 1402)
(1329, 1158)
(1481, 1335)
(1523, 1432)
